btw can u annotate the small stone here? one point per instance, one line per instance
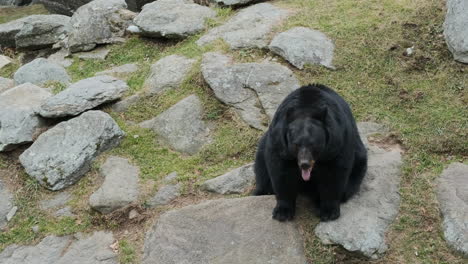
(12, 213)
(250, 28)
(124, 104)
(97, 54)
(4, 61)
(40, 71)
(165, 195)
(63, 154)
(452, 194)
(168, 73)
(301, 46)
(59, 200)
(172, 18)
(83, 95)
(133, 214)
(120, 186)
(133, 29)
(35, 229)
(236, 181)
(182, 126)
(120, 72)
(60, 58)
(64, 212)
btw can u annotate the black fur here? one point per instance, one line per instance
(313, 123)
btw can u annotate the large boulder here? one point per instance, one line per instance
(41, 71)
(120, 187)
(36, 31)
(77, 249)
(98, 22)
(64, 153)
(366, 218)
(235, 181)
(42, 31)
(251, 88)
(229, 231)
(6, 84)
(6, 205)
(452, 194)
(301, 46)
(64, 7)
(19, 121)
(455, 29)
(172, 18)
(168, 73)
(250, 28)
(84, 95)
(181, 126)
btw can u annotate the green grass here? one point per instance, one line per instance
(8, 14)
(422, 99)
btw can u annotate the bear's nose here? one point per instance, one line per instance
(304, 165)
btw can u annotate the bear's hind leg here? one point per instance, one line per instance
(262, 179)
(356, 176)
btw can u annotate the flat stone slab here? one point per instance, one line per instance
(84, 95)
(97, 22)
(368, 128)
(168, 73)
(455, 29)
(41, 71)
(172, 18)
(96, 54)
(59, 200)
(452, 194)
(120, 72)
(124, 104)
(6, 84)
(224, 231)
(42, 31)
(181, 126)
(250, 28)
(235, 181)
(165, 195)
(64, 153)
(301, 46)
(366, 217)
(77, 249)
(120, 187)
(6, 205)
(4, 61)
(19, 121)
(252, 89)
(60, 58)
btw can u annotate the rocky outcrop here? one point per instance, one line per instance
(455, 29)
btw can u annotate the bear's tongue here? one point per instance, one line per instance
(306, 174)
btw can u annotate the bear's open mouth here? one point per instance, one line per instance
(306, 174)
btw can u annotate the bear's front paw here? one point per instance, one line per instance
(283, 212)
(330, 213)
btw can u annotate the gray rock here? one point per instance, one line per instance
(250, 28)
(64, 212)
(96, 54)
(120, 187)
(9, 30)
(6, 84)
(181, 126)
(452, 194)
(172, 18)
(251, 88)
(83, 95)
(121, 72)
(224, 231)
(19, 120)
(170, 177)
(301, 46)
(236, 181)
(4, 61)
(368, 128)
(455, 29)
(60, 58)
(42, 32)
(64, 7)
(233, 3)
(40, 71)
(35, 229)
(59, 200)
(92, 249)
(168, 73)
(98, 22)
(165, 195)
(124, 104)
(64, 153)
(365, 218)
(12, 213)
(6, 205)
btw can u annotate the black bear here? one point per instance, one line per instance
(311, 145)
